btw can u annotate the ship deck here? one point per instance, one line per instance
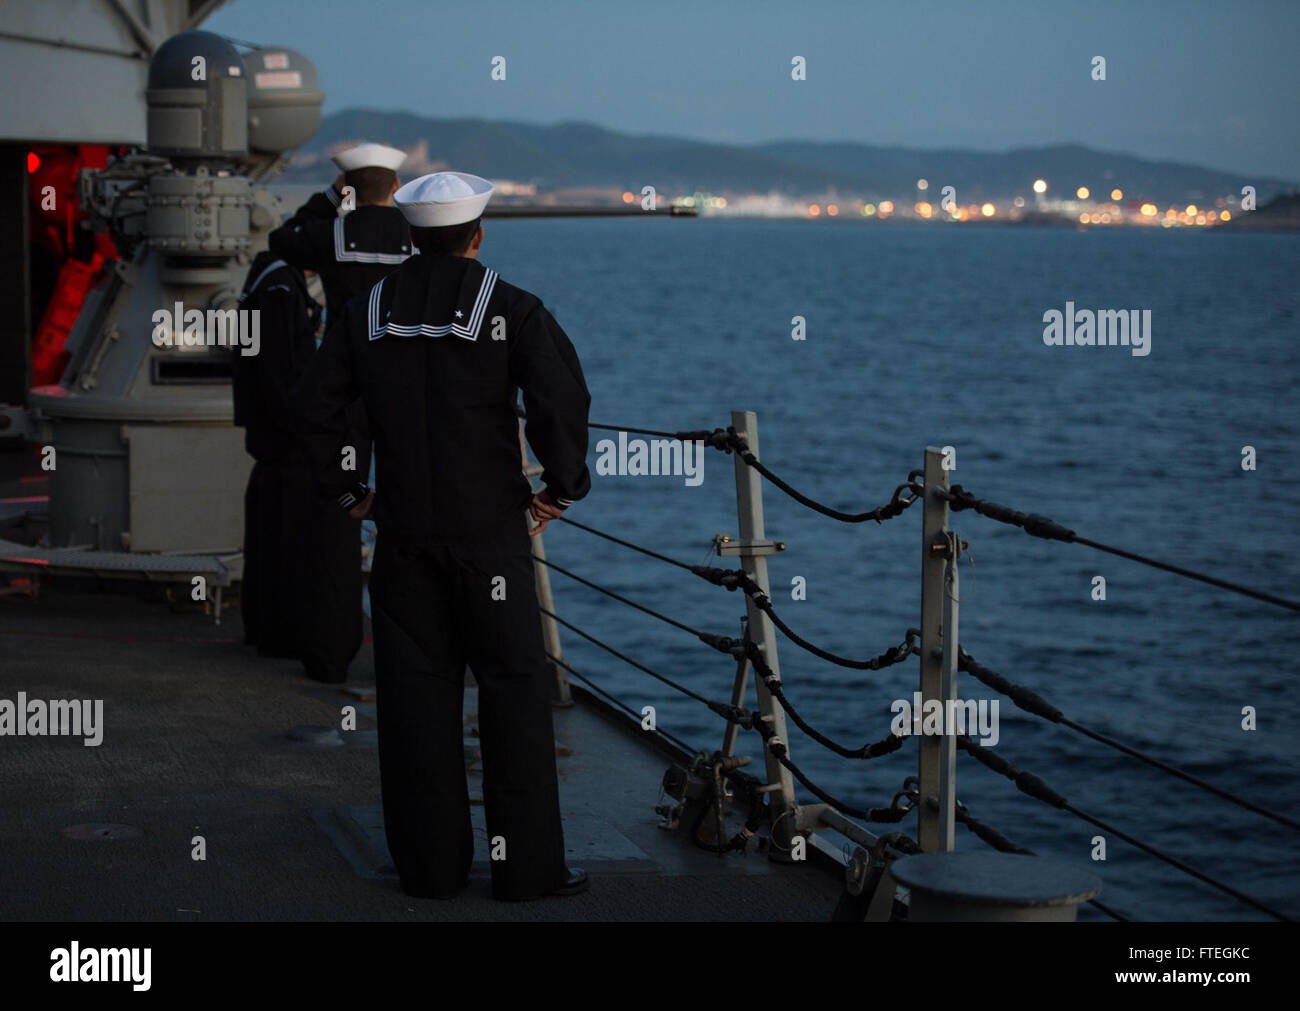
(196, 743)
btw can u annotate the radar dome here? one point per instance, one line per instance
(198, 98)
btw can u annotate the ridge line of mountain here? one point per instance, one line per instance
(575, 153)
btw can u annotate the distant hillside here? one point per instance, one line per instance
(1282, 213)
(582, 155)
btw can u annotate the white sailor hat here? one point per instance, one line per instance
(443, 198)
(368, 155)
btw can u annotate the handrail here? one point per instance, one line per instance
(934, 796)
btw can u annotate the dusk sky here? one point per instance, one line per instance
(1210, 83)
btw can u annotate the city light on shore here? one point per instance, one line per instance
(1080, 205)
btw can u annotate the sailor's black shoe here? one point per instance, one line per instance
(576, 882)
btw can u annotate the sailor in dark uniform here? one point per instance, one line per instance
(354, 251)
(280, 497)
(437, 351)
(350, 253)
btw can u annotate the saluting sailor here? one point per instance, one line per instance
(350, 253)
(280, 496)
(437, 351)
(354, 251)
(300, 594)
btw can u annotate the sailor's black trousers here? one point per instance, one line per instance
(434, 611)
(301, 594)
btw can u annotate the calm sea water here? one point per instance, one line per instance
(933, 336)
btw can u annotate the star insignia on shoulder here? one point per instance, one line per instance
(459, 314)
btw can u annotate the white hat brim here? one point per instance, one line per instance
(369, 155)
(427, 202)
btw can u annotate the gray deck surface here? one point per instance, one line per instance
(195, 743)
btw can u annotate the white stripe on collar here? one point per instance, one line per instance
(469, 331)
(261, 277)
(360, 256)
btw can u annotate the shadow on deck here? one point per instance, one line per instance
(195, 743)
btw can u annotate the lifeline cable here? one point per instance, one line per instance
(772, 683)
(779, 751)
(729, 441)
(626, 659)
(622, 705)
(1035, 787)
(732, 714)
(1033, 703)
(959, 499)
(733, 579)
(995, 839)
(613, 428)
(626, 544)
(752, 785)
(870, 814)
(744, 718)
(632, 431)
(988, 834)
(621, 599)
(736, 648)
(1040, 526)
